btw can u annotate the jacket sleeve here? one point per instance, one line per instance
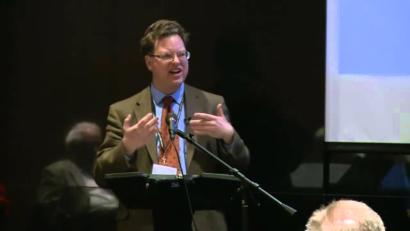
(237, 152)
(112, 155)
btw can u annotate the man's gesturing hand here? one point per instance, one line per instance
(216, 126)
(137, 135)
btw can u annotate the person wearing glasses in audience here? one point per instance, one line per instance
(135, 141)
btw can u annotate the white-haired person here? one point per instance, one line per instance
(345, 215)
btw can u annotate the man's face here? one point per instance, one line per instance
(168, 73)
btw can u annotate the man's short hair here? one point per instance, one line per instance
(345, 215)
(161, 29)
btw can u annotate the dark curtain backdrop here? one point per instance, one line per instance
(67, 61)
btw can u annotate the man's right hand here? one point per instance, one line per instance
(138, 135)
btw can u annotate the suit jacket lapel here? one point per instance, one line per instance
(193, 103)
(143, 107)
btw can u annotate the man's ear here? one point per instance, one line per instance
(148, 62)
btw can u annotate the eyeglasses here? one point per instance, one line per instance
(169, 57)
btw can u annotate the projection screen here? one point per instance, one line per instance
(368, 71)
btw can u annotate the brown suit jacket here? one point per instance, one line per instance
(111, 157)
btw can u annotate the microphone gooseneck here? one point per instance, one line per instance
(171, 122)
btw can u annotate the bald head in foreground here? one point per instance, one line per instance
(344, 215)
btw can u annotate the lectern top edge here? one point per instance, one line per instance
(123, 175)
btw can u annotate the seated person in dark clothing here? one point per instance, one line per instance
(68, 197)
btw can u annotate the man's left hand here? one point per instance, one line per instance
(216, 126)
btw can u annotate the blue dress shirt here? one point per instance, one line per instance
(178, 108)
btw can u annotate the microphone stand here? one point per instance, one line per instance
(236, 172)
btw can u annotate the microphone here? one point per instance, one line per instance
(172, 126)
(161, 142)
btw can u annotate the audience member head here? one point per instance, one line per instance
(345, 215)
(82, 142)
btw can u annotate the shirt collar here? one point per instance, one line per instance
(157, 95)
